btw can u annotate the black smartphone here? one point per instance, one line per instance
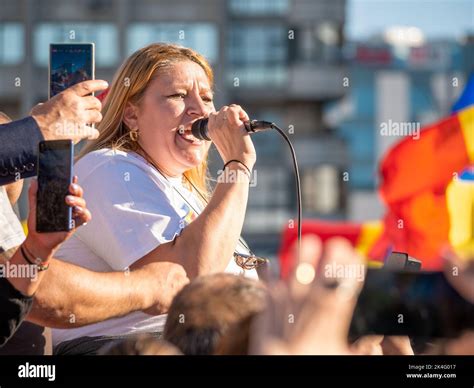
(416, 304)
(69, 64)
(55, 162)
(401, 260)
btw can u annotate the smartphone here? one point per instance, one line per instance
(55, 163)
(69, 64)
(401, 260)
(415, 304)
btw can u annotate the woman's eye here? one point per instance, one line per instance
(178, 95)
(207, 99)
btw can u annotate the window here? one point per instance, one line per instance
(321, 190)
(201, 37)
(12, 49)
(271, 187)
(104, 35)
(259, 7)
(257, 45)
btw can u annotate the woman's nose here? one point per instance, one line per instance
(197, 107)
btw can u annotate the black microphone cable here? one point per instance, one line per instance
(298, 187)
(199, 130)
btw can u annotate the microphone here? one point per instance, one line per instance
(199, 127)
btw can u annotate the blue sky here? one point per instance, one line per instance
(436, 18)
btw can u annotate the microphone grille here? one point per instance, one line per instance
(199, 129)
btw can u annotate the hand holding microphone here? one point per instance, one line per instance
(227, 130)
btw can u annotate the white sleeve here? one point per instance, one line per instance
(131, 214)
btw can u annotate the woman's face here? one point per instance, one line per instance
(175, 99)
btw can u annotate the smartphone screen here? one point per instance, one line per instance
(416, 304)
(69, 64)
(55, 162)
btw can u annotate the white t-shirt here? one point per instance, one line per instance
(134, 209)
(11, 231)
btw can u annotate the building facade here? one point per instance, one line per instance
(280, 59)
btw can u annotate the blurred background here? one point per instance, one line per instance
(327, 71)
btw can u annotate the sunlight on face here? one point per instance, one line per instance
(176, 98)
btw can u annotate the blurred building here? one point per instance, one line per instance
(280, 59)
(392, 83)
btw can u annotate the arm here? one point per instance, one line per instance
(206, 245)
(19, 140)
(14, 307)
(50, 121)
(72, 296)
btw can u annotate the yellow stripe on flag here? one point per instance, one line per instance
(369, 233)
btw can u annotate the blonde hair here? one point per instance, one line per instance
(129, 85)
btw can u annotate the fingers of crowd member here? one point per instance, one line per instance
(339, 257)
(273, 324)
(396, 346)
(369, 345)
(92, 116)
(333, 295)
(72, 200)
(92, 133)
(305, 269)
(91, 102)
(75, 189)
(88, 87)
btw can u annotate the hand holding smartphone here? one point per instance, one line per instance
(55, 163)
(69, 64)
(416, 304)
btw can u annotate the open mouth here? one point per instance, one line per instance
(188, 136)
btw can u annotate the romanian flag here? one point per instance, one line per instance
(415, 175)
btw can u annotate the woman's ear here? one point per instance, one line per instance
(130, 116)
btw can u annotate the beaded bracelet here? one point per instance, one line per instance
(41, 265)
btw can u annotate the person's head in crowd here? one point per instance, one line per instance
(237, 339)
(205, 310)
(140, 345)
(13, 189)
(148, 106)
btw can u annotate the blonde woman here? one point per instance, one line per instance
(145, 183)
